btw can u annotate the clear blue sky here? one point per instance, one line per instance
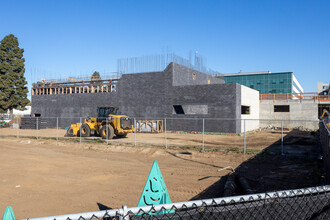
(67, 38)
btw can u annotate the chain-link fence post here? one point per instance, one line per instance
(107, 130)
(282, 145)
(244, 138)
(57, 129)
(124, 215)
(37, 126)
(134, 132)
(165, 133)
(17, 126)
(203, 147)
(80, 130)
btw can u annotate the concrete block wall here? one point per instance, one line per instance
(306, 110)
(152, 96)
(250, 98)
(221, 102)
(183, 76)
(70, 107)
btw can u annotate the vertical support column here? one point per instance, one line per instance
(165, 133)
(107, 88)
(134, 132)
(17, 126)
(203, 136)
(80, 130)
(282, 147)
(37, 126)
(244, 138)
(57, 129)
(106, 125)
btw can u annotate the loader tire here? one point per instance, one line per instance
(85, 131)
(69, 133)
(107, 131)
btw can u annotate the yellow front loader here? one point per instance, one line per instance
(326, 116)
(107, 124)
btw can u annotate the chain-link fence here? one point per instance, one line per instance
(206, 134)
(308, 203)
(325, 143)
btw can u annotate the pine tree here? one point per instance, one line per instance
(96, 75)
(13, 89)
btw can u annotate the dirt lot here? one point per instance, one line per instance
(254, 140)
(45, 177)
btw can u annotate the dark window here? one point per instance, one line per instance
(37, 115)
(245, 110)
(252, 86)
(281, 108)
(178, 109)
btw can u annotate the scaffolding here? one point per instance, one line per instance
(74, 86)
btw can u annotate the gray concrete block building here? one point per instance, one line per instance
(182, 95)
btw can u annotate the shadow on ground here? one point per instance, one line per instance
(103, 207)
(299, 167)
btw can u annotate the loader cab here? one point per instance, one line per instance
(104, 112)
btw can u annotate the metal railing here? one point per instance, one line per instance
(306, 203)
(311, 96)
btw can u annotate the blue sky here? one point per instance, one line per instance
(68, 38)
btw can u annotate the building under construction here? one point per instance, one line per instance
(184, 92)
(177, 92)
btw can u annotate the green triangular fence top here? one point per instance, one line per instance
(9, 214)
(155, 191)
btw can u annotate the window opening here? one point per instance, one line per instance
(245, 110)
(281, 108)
(178, 109)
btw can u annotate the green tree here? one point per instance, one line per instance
(96, 75)
(13, 89)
